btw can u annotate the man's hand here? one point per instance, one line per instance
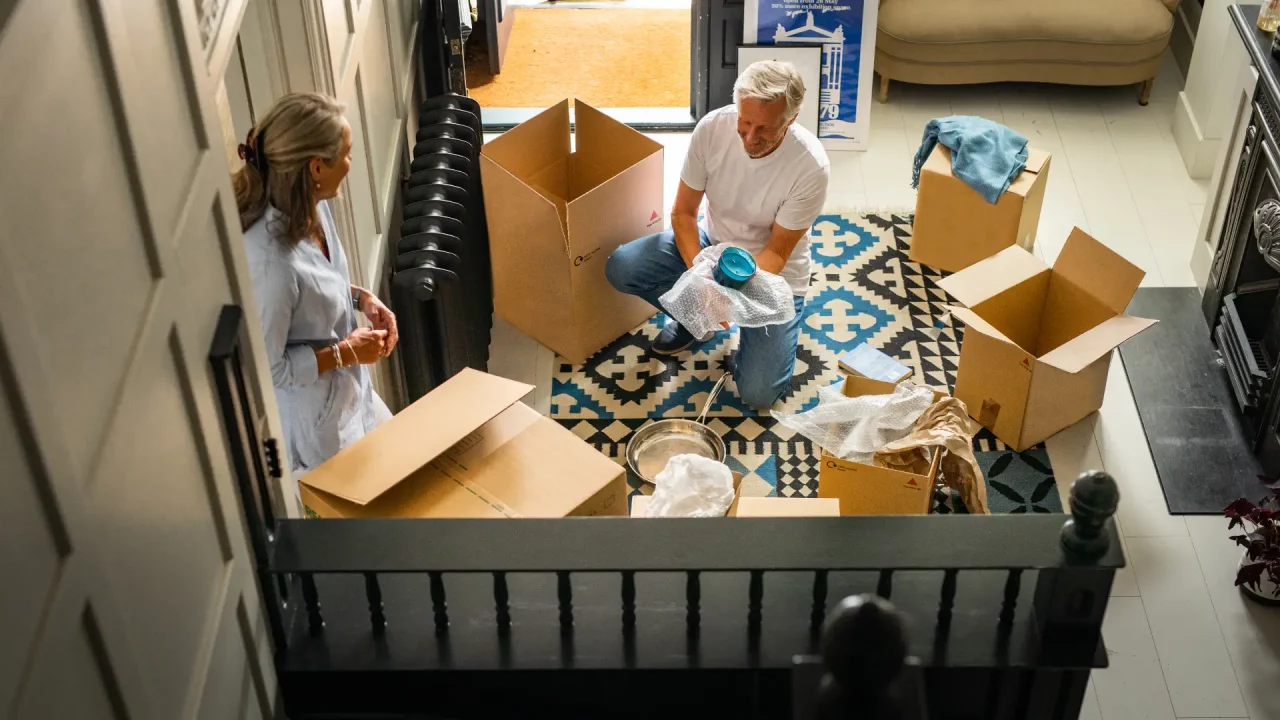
(770, 261)
(781, 243)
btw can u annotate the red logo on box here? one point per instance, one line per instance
(654, 216)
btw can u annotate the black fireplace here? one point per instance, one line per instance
(1242, 296)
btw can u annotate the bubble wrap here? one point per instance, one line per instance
(854, 428)
(701, 304)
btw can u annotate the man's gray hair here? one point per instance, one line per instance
(770, 81)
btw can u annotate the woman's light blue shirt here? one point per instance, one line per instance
(304, 300)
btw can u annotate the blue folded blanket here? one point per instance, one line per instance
(986, 155)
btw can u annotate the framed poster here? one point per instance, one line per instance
(807, 59)
(846, 29)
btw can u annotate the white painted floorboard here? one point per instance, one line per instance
(1182, 641)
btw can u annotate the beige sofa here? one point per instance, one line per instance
(1073, 42)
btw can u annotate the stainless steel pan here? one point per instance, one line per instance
(656, 443)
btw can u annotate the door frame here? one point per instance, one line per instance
(643, 119)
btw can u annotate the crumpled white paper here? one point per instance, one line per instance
(691, 486)
(701, 304)
(854, 428)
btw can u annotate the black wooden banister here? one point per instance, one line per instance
(930, 542)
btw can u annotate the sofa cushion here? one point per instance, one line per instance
(1073, 31)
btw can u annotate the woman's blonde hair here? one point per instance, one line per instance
(277, 155)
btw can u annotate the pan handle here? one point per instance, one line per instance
(715, 390)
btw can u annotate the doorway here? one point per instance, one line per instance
(631, 58)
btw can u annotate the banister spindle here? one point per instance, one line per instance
(315, 621)
(755, 597)
(500, 602)
(948, 600)
(373, 591)
(1012, 585)
(693, 601)
(946, 603)
(628, 601)
(884, 588)
(564, 591)
(439, 607)
(819, 611)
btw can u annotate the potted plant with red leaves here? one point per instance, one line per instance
(1259, 573)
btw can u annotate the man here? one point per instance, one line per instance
(765, 180)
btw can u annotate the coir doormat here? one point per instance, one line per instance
(863, 290)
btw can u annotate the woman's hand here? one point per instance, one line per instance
(381, 317)
(368, 345)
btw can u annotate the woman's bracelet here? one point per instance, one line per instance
(355, 360)
(337, 357)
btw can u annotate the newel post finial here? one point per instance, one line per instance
(864, 649)
(1094, 499)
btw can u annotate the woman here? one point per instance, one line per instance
(295, 160)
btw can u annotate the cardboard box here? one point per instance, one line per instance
(955, 227)
(555, 217)
(762, 507)
(869, 490)
(1038, 343)
(468, 449)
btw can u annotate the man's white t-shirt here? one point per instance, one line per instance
(744, 196)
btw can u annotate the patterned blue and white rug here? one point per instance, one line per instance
(863, 289)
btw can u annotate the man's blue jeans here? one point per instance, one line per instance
(648, 267)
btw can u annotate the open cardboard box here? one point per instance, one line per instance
(556, 212)
(468, 449)
(864, 489)
(1038, 341)
(955, 227)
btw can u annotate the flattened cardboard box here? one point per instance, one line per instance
(1038, 341)
(468, 449)
(762, 507)
(555, 217)
(865, 489)
(955, 227)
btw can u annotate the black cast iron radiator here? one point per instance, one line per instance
(440, 283)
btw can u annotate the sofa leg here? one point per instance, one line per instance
(884, 89)
(1145, 95)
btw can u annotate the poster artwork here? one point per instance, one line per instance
(846, 31)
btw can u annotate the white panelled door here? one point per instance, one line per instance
(128, 586)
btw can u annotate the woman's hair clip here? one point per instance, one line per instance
(250, 154)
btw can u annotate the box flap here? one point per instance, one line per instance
(975, 322)
(1027, 181)
(605, 143)
(1036, 160)
(534, 144)
(1077, 354)
(1098, 270)
(987, 278)
(404, 444)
